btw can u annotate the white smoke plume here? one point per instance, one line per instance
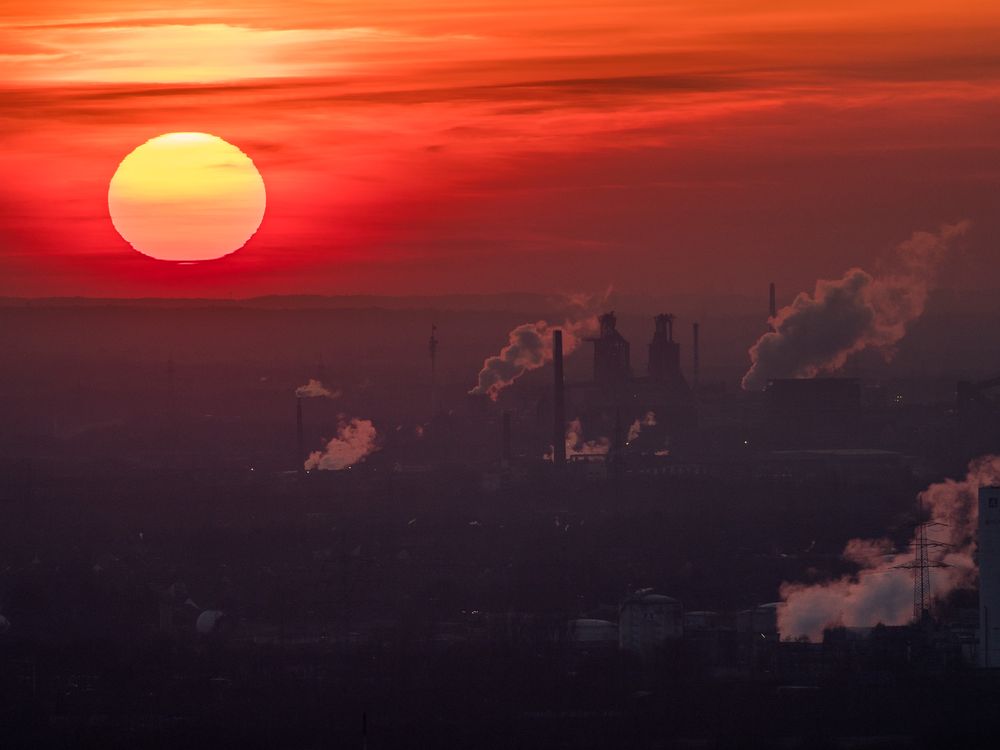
(817, 333)
(529, 346)
(881, 593)
(315, 389)
(355, 441)
(578, 445)
(649, 420)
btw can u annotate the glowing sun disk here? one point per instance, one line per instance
(186, 197)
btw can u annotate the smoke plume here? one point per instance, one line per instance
(577, 445)
(816, 334)
(881, 593)
(355, 441)
(649, 420)
(315, 389)
(529, 346)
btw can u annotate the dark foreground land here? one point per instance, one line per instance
(423, 611)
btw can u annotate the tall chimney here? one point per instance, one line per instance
(505, 448)
(170, 382)
(558, 402)
(300, 444)
(773, 309)
(694, 353)
(432, 346)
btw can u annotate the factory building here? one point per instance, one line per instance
(812, 412)
(617, 396)
(593, 635)
(761, 621)
(612, 357)
(647, 621)
(665, 354)
(989, 577)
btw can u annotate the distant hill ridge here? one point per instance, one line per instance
(691, 305)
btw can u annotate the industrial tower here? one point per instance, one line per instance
(664, 352)
(612, 367)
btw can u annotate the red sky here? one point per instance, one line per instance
(488, 145)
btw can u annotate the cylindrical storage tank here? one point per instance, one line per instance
(647, 621)
(210, 622)
(764, 620)
(702, 620)
(588, 632)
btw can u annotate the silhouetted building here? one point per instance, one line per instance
(978, 409)
(646, 621)
(813, 412)
(664, 352)
(661, 402)
(989, 576)
(612, 364)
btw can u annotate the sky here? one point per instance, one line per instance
(659, 147)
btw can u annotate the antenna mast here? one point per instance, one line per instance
(432, 346)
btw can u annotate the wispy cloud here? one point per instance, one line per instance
(147, 52)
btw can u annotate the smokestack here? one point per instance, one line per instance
(694, 353)
(432, 346)
(619, 441)
(299, 460)
(559, 402)
(773, 309)
(170, 381)
(505, 448)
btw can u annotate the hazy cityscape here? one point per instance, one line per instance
(220, 525)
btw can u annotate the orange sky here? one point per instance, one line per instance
(422, 147)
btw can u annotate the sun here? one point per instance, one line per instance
(186, 197)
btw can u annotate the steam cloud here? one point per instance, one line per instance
(649, 420)
(529, 346)
(878, 593)
(315, 389)
(355, 441)
(577, 445)
(816, 334)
